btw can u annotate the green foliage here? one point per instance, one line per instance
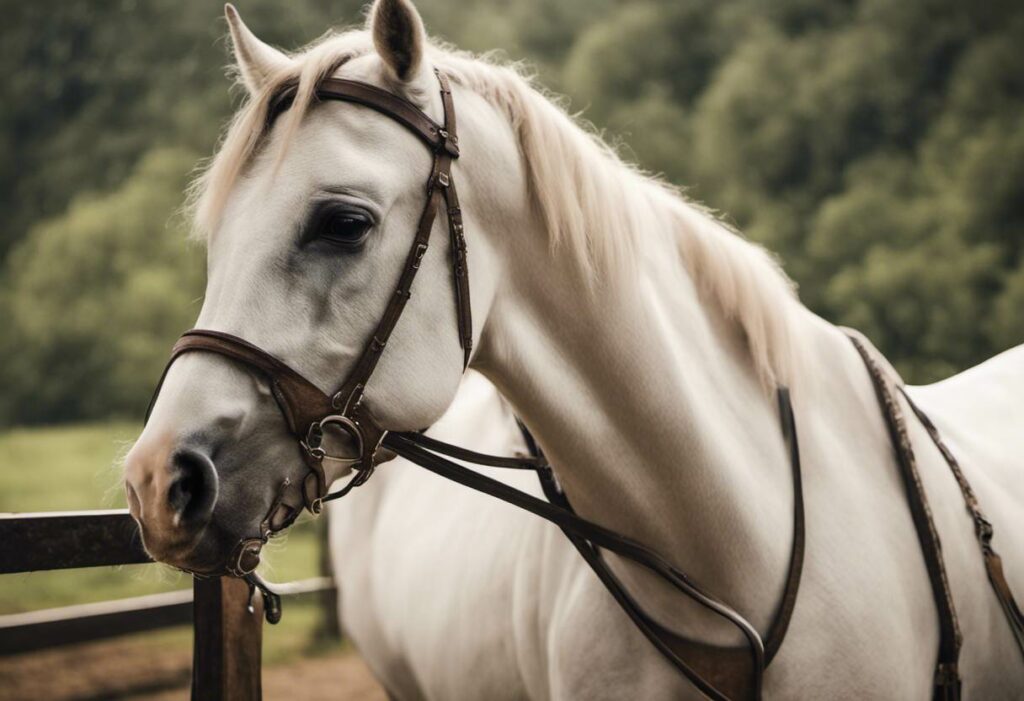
(875, 145)
(93, 298)
(91, 86)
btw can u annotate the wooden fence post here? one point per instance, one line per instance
(328, 629)
(228, 641)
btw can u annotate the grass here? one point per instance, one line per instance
(75, 467)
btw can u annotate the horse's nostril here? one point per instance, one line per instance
(193, 489)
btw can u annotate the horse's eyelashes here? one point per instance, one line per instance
(342, 227)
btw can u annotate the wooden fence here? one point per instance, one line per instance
(227, 622)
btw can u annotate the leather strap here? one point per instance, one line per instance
(406, 446)
(456, 235)
(720, 673)
(983, 530)
(300, 400)
(947, 682)
(352, 391)
(390, 105)
(725, 670)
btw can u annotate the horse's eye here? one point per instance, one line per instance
(344, 229)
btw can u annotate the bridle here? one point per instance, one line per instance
(321, 422)
(310, 414)
(313, 416)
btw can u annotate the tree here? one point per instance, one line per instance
(94, 298)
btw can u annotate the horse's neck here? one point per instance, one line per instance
(654, 419)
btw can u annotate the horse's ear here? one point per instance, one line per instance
(399, 36)
(256, 61)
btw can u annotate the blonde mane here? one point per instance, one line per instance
(606, 212)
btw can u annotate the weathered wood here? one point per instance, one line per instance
(37, 630)
(68, 625)
(68, 540)
(228, 641)
(228, 625)
(328, 628)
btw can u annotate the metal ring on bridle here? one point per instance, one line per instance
(247, 547)
(315, 437)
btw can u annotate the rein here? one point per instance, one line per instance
(720, 673)
(338, 429)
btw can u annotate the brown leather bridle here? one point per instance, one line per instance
(310, 413)
(311, 416)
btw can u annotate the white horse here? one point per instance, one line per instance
(641, 342)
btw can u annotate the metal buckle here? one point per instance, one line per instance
(983, 529)
(315, 436)
(421, 249)
(340, 402)
(247, 557)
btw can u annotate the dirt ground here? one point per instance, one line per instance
(129, 670)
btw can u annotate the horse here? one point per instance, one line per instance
(639, 339)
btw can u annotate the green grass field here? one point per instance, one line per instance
(76, 467)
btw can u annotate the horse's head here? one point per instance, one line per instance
(309, 216)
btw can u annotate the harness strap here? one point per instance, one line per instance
(724, 667)
(983, 530)
(721, 673)
(947, 681)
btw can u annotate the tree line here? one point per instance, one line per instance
(875, 146)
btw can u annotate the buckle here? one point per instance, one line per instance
(313, 444)
(983, 529)
(450, 143)
(421, 249)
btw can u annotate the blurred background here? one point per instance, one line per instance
(876, 146)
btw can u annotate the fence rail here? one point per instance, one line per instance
(68, 625)
(227, 621)
(67, 540)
